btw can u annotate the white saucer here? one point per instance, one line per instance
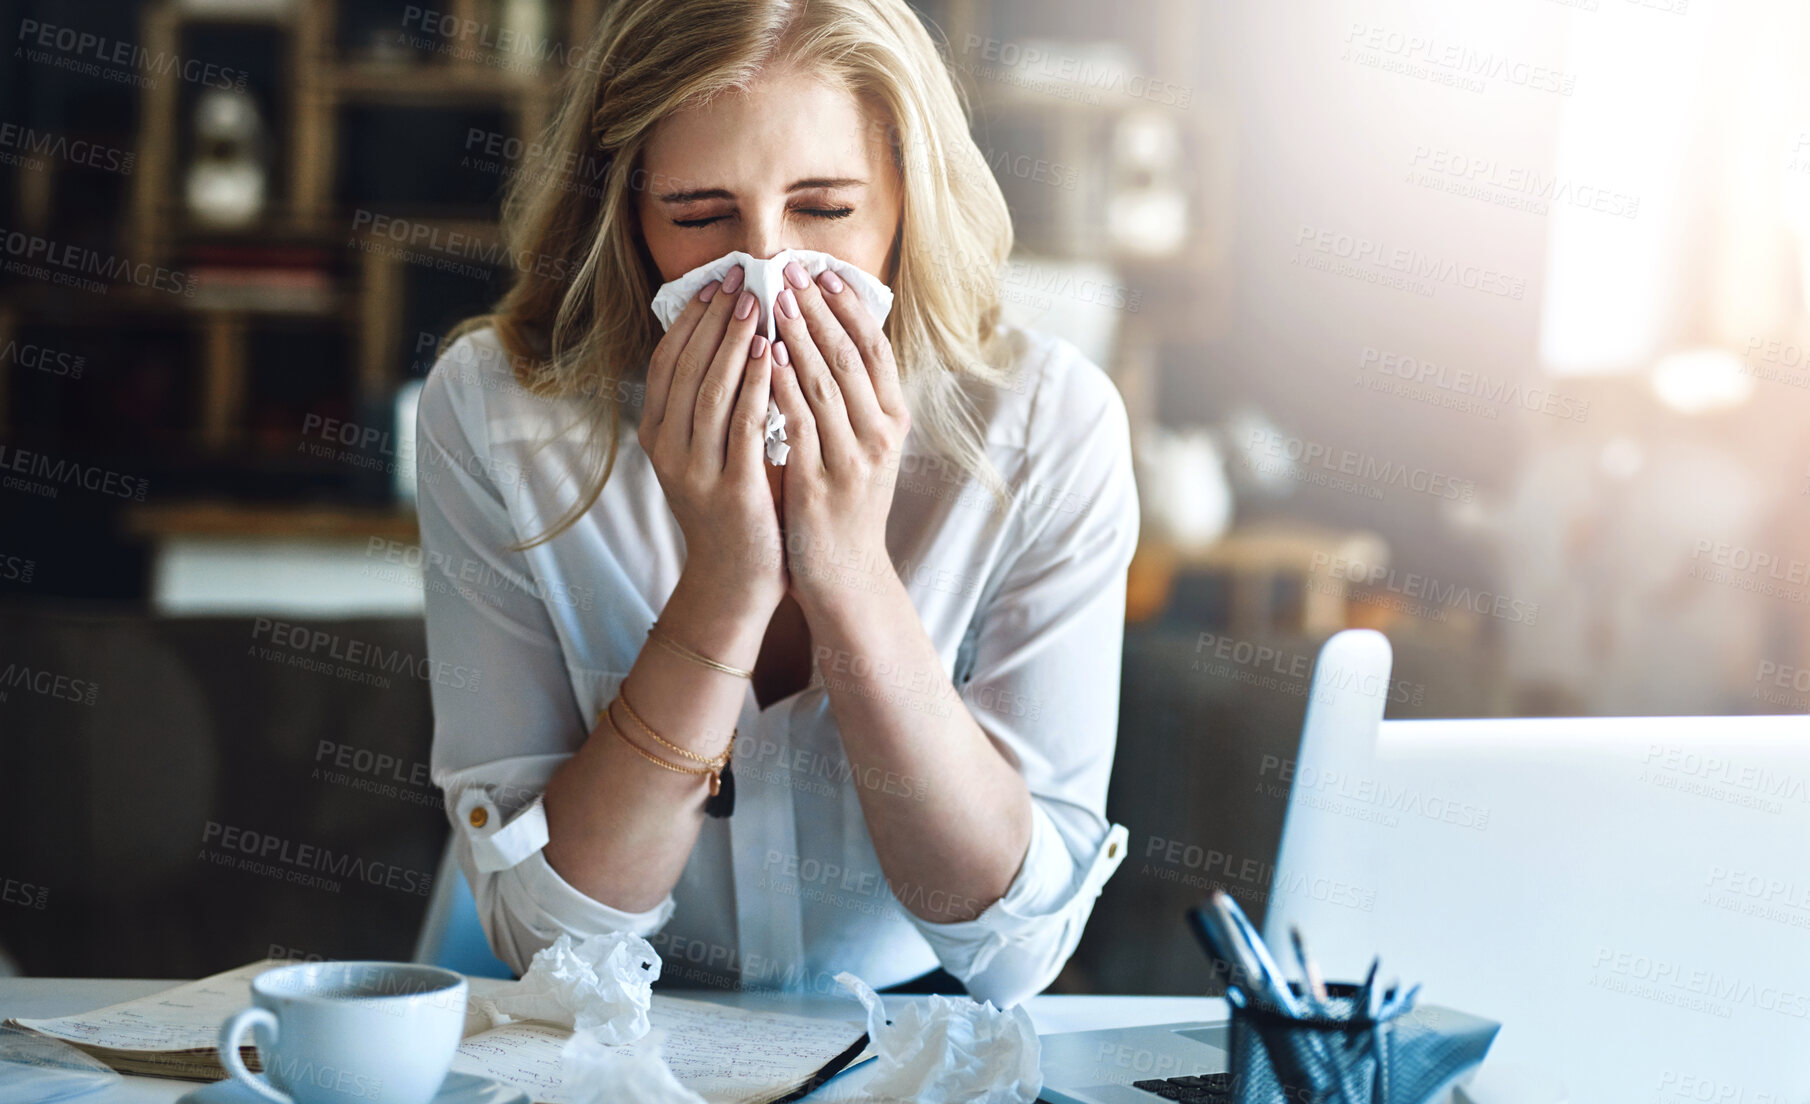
(460, 1088)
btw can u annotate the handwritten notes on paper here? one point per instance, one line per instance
(187, 1017)
(724, 1054)
(727, 1055)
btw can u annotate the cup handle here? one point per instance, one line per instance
(242, 1020)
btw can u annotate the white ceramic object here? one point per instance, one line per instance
(338, 1032)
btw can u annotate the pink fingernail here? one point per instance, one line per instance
(733, 281)
(779, 354)
(708, 291)
(788, 303)
(758, 347)
(795, 275)
(831, 282)
(745, 305)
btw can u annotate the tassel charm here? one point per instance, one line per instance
(721, 801)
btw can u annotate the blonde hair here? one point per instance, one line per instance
(576, 323)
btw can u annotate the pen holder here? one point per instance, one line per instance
(1322, 1058)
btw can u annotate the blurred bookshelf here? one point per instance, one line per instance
(283, 186)
(243, 206)
(257, 187)
(1116, 159)
(1116, 152)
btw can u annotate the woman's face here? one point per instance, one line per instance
(791, 163)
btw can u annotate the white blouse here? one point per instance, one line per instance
(1025, 605)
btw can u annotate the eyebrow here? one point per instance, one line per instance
(798, 186)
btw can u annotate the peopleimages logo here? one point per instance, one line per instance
(30, 143)
(1307, 780)
(461, 37)
(1422, 55)
(1755, 778)
(1034, 67)
(466, 572)
(310, 859)
(1426, 588)
(1270, 667)
(23, 894)
(1490, 392)
(40, 358)
(1747, 561)
(1424, 269)
(1270, 452)
(16, 569)
(1512, 186)
(1760, 887)
(330, 653)
(1173, 860)
(65, 265)
(1678, 983)
(47, 684)
(85, 52)
(65, 473)
(435, 246)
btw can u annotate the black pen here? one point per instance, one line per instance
(1401, 1003)
(1366, 995)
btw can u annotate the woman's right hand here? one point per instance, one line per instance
(704, 428)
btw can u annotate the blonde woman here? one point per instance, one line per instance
(911, 631)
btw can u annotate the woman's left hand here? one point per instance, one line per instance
(835, 381)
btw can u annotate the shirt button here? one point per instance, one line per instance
(479, 817)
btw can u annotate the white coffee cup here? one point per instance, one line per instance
(344, 1032)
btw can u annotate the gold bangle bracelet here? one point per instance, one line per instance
(713, 775)
(714, 761)
(680, 650)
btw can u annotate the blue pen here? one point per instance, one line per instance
(1312, 983)
(1268, 975)
(1226, 951)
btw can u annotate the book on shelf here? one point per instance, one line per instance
(296, 279)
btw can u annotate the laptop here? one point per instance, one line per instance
(1627, 896)
(1346, 696)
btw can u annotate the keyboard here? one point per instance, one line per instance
(1206, 1088)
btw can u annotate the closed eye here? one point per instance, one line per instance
(814, 212)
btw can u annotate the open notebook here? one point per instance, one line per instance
(726, 1055)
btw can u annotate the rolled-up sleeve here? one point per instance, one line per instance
(505, 725)
(1044, 682)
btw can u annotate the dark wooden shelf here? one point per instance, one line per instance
(430, 84)
(299, 522)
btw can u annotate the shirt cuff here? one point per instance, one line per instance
(558, 906)
(1046, 892)
(496, 844)
(528, 898)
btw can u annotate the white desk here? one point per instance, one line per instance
(38, 997)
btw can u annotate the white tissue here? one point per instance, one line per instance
(943, 1049)
(765, 278)
(602, 986)
(594, 1073)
